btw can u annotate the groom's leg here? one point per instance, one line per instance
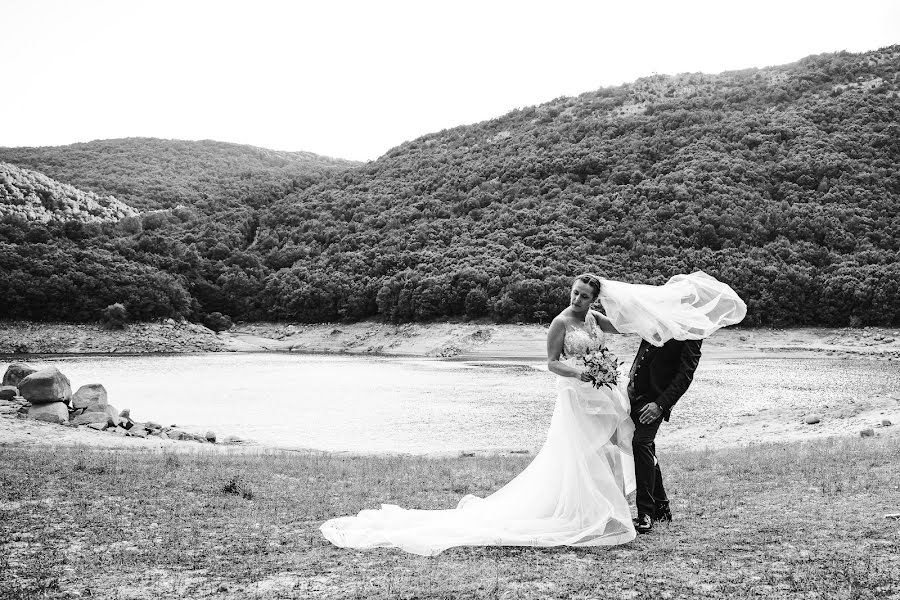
(660, 499)
(645, 467)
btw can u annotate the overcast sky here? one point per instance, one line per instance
(353, 79)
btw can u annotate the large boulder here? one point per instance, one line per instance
(52, 412)
(91, 397)
(16, 372)
(45, 386)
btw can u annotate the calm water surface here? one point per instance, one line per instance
(332, 403)
(369, 404)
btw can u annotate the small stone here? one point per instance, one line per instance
(126, 413)
(867, 433)
(211, 437)
(97, 426)
(233, 439)
(886, 423)
(89, 418)
(119, 431)
(152, 425)
(892, 516)
(812, 419)
(466, 454)
(8, 392)
(137, 432)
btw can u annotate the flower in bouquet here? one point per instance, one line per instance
(603, 367)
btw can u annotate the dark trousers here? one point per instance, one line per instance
(651, 495)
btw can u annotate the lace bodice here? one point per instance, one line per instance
(582, 340)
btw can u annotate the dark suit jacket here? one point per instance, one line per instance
(662, 374)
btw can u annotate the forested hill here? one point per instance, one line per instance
(200, 205)
(31, 196)
(781, 181)
(150, 173)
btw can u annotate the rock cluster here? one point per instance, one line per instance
(46, 395)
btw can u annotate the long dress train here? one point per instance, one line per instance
(573, 493)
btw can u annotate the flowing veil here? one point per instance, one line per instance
(686, 307)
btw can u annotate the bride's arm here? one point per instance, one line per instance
(604, 323)
(555, 338)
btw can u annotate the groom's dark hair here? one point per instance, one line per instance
(592, 280)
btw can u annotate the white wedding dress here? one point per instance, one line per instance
(573, 493)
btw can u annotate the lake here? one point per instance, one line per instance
(375, 404)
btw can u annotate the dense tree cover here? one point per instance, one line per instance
(783, 182)
(149, 173)
(36, 197)
(46, 281)
(200, 203)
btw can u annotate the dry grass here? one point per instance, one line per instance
(779, 521)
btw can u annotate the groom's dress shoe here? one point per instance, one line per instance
(663, 514)
(643, 524)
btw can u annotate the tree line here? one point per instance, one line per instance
(781, 182)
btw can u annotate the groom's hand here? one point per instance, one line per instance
(649, 413)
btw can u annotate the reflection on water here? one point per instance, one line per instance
(369, 404)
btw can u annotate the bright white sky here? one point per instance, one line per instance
(352, 79)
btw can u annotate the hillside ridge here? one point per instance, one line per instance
(781, 182)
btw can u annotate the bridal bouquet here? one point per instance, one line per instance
(603, 367)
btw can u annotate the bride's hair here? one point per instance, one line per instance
(592, 280)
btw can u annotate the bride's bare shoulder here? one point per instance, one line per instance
(560, 321)
(563, 317)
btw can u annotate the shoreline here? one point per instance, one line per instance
(481, 345)
(457, 341)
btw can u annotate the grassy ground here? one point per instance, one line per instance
(776, 521)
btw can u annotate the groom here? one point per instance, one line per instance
(659, 377)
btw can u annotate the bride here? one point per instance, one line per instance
(574, 492)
